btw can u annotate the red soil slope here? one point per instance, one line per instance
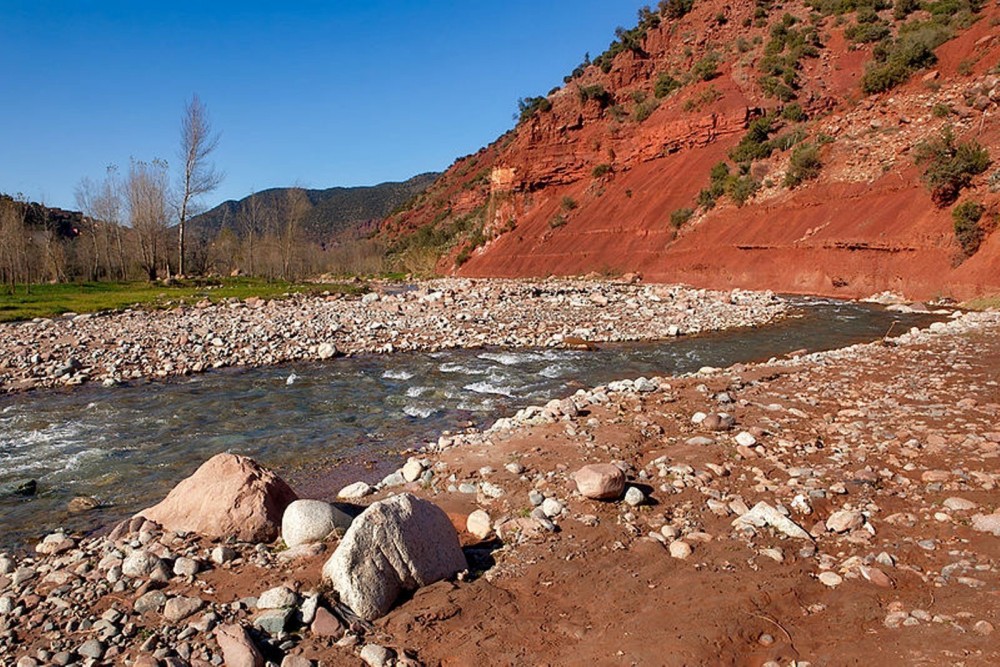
(867, 224)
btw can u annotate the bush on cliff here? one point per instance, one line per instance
(968, 231)
(949, 166)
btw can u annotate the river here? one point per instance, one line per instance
(323, 424)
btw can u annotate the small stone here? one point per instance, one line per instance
(479, 524)
(984, 628)
(186, 567)
(140, 564)
(277, 598)
(82, 504)
(296, 661)
(238, 649)
(377, 656)
(326, 351)
(411, 471)
(959, 504)
(601, 481)
(325, 624)
(273, 621)
(181, 607)
(535, 497)
(843, 521)
(680, 549)
(552, 507)
(91, 648)
(356, 490)
(745, 439)
(634, 496)
(831, 579)
(151, 601)
(222, 555)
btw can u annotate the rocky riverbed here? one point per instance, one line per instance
(434, 315)
(838, 508)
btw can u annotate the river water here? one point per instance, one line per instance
(323, 424)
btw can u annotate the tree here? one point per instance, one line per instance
(102, 203)
(14, 241)
(249, 218)
(199, 176)
(146, 198)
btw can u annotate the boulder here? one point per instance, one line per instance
(600, 481)
(309, 521)
(396, 545)
(20, 487)
(228, 496)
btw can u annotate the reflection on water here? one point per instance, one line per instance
(127, 446)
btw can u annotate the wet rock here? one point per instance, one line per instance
(82, 504)
(396, 545)
(228, 496)
(601, 481)
(238, 649)
(20, 487)
(308, 521)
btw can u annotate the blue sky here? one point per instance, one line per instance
(311, 93)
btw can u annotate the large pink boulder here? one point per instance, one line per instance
(228, 496)
(600, 481)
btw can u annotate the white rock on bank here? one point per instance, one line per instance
(396, 545)
(308, 521)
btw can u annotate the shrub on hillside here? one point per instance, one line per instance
(665, 84)
(601, 170)
(680, 216)
(804, 165)
(968, 232)
(949, 166)
(706, 69)
(529, 106)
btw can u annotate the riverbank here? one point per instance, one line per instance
(434, 315)
(843, 513)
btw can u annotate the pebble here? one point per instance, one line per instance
(680, 549)
(634, 496)
(831, 579)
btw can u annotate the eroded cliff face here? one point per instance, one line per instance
(592, 184)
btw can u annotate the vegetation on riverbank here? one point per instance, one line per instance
(49, 300)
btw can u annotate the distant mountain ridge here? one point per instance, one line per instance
(333, 212)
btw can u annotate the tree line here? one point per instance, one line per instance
(136, 224)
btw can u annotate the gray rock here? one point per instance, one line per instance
(273, 621)
(987, 523)
(151, 601)
(186, 567)
(634, 496)
(140, 564)
(396, 545)
(19, 487)
(308, 521)
(91, 649)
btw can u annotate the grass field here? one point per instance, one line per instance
(50, 300)
(982, 303)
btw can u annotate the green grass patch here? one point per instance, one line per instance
(47, 300)
(982, 303)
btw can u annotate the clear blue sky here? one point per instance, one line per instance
(320, 94)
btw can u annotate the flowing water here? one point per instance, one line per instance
(326, 423)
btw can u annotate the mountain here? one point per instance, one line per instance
(328, 213)
(838, 147)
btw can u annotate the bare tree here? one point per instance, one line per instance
(102, 203)
(249, 217)
(292, 210)
(146, 197)
(199, 176)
